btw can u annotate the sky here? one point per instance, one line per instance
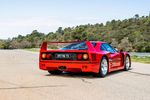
(24, 16)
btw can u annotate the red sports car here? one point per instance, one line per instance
(86, 56)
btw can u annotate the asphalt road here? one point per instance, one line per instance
(21, 79)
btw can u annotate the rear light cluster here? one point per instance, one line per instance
(79, 56)
(82, 56)
(46, 56)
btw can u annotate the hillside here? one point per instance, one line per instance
(131, 34)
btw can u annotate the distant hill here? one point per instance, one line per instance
(131, 34)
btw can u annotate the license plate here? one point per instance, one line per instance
(62, 56)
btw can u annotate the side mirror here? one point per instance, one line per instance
(121, 50)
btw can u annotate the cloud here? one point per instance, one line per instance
(11, 27)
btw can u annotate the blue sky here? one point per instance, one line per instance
(23, 16)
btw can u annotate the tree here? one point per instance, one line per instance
(125, 44)
(136, 16)
(2, 44)
(114, 43)
(60, 31)
(132, 34)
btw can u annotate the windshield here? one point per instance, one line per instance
(76, 46)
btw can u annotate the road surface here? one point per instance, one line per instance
(21, 79)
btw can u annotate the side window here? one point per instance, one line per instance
(102, 47)
(108, 48)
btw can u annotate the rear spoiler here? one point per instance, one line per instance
(45, 43)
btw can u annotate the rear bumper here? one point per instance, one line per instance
(70, 66)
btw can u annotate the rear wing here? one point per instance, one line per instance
(45, 44)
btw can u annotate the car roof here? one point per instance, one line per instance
(75, 42)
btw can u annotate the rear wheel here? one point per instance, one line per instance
(103, 70)
(127, 63)
(55, 72)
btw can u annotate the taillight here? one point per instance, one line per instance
(43, 56)
(79, 56)
(46, 56)
(85, 56)
(82, 56)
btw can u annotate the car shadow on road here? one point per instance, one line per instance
(85, 75)
(73, 75)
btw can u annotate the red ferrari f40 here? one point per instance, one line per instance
(96, 57)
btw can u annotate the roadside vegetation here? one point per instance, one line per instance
(32, 49)
(141, 59)
(131, 34)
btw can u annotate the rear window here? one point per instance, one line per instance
(76, 46)
(93, 44)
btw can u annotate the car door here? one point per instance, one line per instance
(114, 56)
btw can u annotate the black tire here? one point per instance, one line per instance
(127, 63)
(103, 70)
(55, 72)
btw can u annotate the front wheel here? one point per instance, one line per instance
(127, 64)
(103, 70)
